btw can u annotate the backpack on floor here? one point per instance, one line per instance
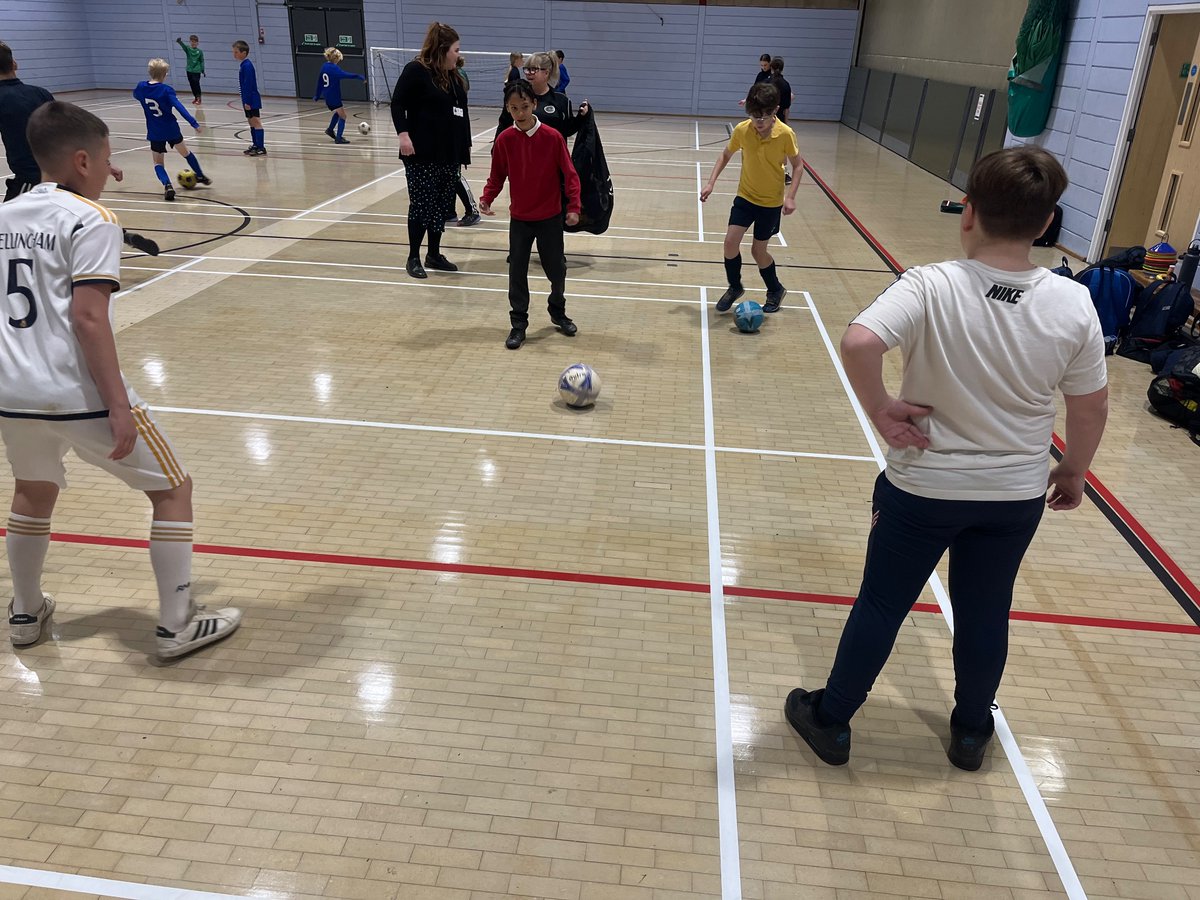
(1112, 293)
(1160, 311)
(1175, 394)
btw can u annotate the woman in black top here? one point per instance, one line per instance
(553, 108)
(429, 110)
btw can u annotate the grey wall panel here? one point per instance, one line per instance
(856, 88)
(816, 46)
(907, 94)
(50, 42)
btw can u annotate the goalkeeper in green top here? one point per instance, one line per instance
(195, 65)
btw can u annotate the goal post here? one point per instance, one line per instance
(487, 70)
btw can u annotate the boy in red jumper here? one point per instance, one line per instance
(534, 159)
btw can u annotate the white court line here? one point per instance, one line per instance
(731, 862)
(485, 432)
(1037, 804)
(104, 887)
(165, 273)
(699, 204)
(409, 284)
(313, 209)
(232, 213)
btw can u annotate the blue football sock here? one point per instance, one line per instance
(161, 172)
(194, 164)
(341, 126)
(256, 136)
(333, 121)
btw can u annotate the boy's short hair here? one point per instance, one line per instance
(762, 98)
(1013, 191)
(561, 56)
(777, 64)
(158, 68)
(766, 57)
(57, 129)
(522, 88)
(6, 58)
(194, 37)
(241, 46)
(333, 55)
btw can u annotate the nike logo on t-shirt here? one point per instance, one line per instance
(1005, 293)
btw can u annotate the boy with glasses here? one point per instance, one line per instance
(765, 143)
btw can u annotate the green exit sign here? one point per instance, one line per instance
(345, 40)
(310, 39)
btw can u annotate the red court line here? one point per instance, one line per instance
(655, 584)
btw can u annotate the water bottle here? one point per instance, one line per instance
(1186, 270)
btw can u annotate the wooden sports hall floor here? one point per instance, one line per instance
(485, 654)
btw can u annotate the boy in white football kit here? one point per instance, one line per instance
(61, 386)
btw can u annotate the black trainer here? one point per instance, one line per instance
(774, 299)
(414, 268)
(969, 746)
(468, 220)
(565, 325)
(168, 193)
(729, 297)
(516, 338)
(203, 179)
(332, 136)
(830, 742)
(439, 262)
(252, 150)
(140, 242)
(340, 140)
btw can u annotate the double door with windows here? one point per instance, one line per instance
(316, 26)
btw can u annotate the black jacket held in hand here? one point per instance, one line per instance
(595, 183)
(426, 112)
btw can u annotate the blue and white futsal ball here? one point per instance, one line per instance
(748, 316)
(579, 385)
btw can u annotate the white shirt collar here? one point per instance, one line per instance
(537, 123)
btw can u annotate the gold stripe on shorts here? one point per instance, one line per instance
(159, 447)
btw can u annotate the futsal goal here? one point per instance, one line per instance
(486, 71)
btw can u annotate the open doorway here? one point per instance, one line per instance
(1153, 193)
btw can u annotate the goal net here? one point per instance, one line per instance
(487, 72)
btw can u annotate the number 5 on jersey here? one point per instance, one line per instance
(15, 287)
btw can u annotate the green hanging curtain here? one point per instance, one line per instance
(1035, 65)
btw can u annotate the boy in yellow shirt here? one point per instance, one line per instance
(765, 143)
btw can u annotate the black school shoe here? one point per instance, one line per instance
(830, 742)
(968, 746)
(774, 299)
(414, 268)
(565, 325)
(729, 297)
(439, 262)
(516, 338)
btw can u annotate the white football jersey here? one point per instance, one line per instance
(51, 240)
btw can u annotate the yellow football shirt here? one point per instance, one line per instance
(762, 161)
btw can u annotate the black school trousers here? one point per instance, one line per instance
(909, 534)
(548, 233)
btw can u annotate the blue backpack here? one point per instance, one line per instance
(1112, 293)
(1159, 313)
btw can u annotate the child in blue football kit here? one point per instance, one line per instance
(251, 99)
(329, 83)
(162, 128)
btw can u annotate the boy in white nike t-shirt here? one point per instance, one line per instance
(987, 341)
(61, 386)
